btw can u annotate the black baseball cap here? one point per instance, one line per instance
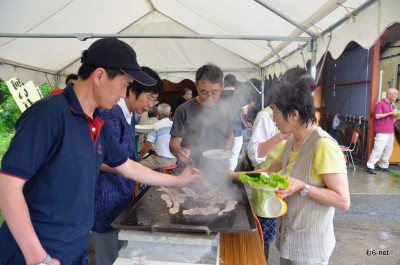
(112, 53)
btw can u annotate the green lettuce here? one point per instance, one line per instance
(262, 180)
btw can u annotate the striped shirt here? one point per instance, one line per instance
(161, 137)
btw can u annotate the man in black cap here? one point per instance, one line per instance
(48, 174)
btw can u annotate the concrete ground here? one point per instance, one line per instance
(369, 233)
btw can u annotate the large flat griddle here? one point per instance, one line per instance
(150, 213)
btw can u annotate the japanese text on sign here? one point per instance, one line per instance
(24, 94)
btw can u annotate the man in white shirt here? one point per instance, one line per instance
(159, 138)
(264, 139)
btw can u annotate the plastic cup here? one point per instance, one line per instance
(275, 207)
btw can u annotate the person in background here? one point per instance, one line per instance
(201, 124)
(114, 192)
(49, 171)
(246, 125)
(244, 116)
(71, 78)
(187, 94)
(147, 118)
(159, 138)
(384, 130)
(316, 168)
(234, 100)
(266, 140)
(265, 143)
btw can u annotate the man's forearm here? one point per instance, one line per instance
(142, 174)
(15, 210)
(382, 115)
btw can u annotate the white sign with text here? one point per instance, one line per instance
(24, 94)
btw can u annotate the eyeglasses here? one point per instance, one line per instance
(210, 93)
(152, 101)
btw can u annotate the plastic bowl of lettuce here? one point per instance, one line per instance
(263, 187)
(264, 181)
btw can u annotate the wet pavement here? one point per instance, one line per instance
(369, 232)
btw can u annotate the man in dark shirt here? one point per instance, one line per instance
(201, 124)
(48, 174)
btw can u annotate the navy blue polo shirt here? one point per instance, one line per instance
(59, 151)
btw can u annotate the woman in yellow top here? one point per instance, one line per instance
(317, 170)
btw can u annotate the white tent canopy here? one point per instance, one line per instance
(39, 39)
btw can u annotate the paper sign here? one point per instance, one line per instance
(24, 94)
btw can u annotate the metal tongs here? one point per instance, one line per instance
(191, 164)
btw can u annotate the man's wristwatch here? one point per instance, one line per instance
(304, 191)
(46, 261)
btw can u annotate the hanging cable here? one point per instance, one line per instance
(349, 13)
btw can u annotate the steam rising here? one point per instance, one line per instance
(211, 126)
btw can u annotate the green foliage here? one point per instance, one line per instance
(1, 219)
(5, 139)
(9, 113)
(394, 174)
(45, 89)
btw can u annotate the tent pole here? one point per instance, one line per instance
(288, 19)
(262, 88)
(334, 26)
(277, 55)
(85, 36)
(346, 18)
(313, 44)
